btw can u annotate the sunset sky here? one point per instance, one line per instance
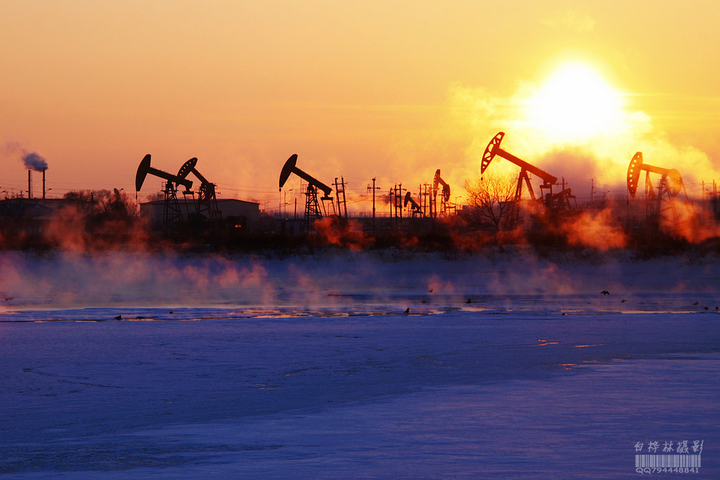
(387, 89)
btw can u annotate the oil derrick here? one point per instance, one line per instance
(172, 214)
(660, 204)
(312, 206)
(207, 201)
(341, 202)
(552, 201)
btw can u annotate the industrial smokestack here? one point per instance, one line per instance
(34, 161)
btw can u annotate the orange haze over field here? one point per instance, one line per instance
(385, 89)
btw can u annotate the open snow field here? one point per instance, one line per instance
(121, 366)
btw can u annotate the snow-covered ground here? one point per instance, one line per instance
(126, 365)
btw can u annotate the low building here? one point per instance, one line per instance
(238, 215)
(28, 216)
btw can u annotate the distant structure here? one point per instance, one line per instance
(659, 201)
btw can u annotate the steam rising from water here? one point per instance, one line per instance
(122, 280)
(596, 230)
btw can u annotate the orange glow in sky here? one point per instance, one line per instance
(389, 89)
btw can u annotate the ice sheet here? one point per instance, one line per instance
(335, 381)
(578, 426)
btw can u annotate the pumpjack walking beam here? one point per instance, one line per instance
(493, 149)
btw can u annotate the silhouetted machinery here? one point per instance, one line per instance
(172, 214)
(312, 206)
(206, 201)
(204, 207)
(661, 203)
(445, 206)
(553, 201)
(416, 208)
(145, 168)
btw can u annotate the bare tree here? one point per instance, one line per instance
(493, 203)
(117, 206)
(101, 215)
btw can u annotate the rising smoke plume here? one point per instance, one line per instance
(34, 161)
(31, 160)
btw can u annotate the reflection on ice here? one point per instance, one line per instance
(365, 304)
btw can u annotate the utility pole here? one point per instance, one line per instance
(397, 205)
(373, 203)
(374, 188)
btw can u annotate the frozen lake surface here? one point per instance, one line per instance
(127, 366)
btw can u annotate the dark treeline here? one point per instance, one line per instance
(91, 221)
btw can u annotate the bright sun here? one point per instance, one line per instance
(574, 105)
